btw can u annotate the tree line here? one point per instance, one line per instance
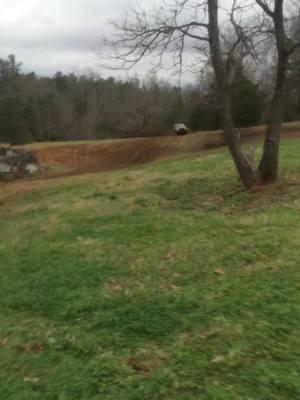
(86, 107)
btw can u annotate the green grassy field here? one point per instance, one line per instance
(154, 283)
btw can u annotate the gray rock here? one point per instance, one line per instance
(10, 153)
(31, 168)
(5, 168)
(16, 162)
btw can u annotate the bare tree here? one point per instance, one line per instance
(268, 167)
(246, 171)
(199, 25)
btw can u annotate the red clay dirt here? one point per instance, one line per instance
(120, 153)
(80, 158)
(100, 157)
(76, 158)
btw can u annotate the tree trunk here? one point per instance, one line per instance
(246, 172)
(268, 167)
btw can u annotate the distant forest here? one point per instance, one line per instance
(70, 107)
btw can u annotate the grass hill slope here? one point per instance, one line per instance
(161, 282)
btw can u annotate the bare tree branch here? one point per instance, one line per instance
(265, 8)
(225, 38)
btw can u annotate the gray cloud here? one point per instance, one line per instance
(42, 33)
(52, 35)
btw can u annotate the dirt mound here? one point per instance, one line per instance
(106, 155)
(121, 153)
(101, 157)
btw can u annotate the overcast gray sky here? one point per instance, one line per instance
(52, 35)
(62, 35)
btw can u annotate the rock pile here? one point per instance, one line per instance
(16, 162)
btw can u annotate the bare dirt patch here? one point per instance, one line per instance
(100, 157)
(121, 153)
(75, 158)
